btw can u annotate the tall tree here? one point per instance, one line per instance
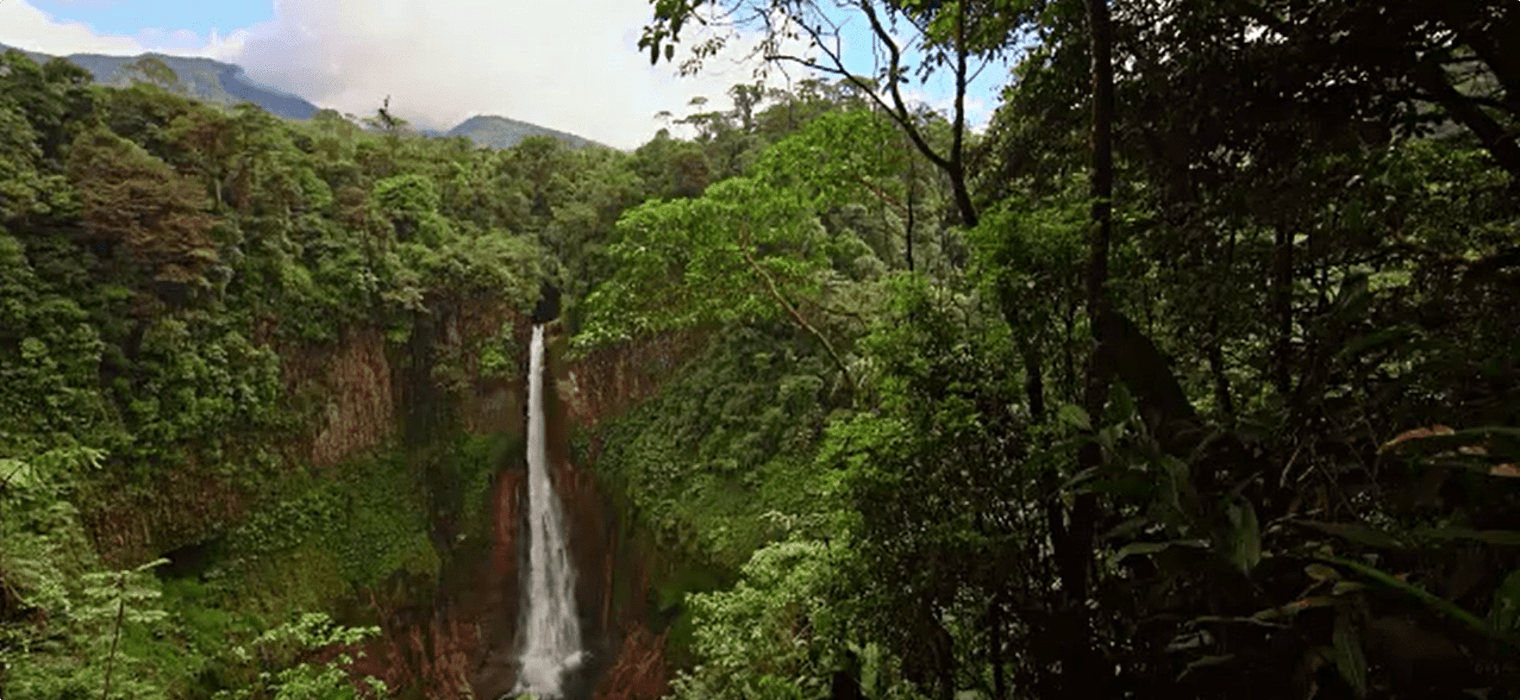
(1083, 674)
(954, 34)
(136, 205)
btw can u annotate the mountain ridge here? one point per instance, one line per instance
(228, 84)
(503, 132)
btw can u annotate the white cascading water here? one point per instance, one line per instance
(552, 635)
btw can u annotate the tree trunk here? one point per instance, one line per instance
(1282, 310)
(1034, 381)
(995, 650)
(963, 202)
(1479, 33)
(1081, 667)
(121, 611)
(942, 652)
(1500, 143)
(912, 190)
(957, 167)
(1222, 400)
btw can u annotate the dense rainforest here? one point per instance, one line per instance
(1194, 375)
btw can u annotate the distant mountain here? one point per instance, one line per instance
(200, 78)
(501, 132)
(227, 84)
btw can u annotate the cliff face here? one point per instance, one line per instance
(607, 382)
(453, 636)
(614, 566)
(354, 396)
(349, 387)
(353, 380)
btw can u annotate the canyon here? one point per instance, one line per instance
(455, 631)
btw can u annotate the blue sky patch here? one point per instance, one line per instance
(130, 17)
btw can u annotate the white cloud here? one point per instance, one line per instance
(571, 65)
(27, 27)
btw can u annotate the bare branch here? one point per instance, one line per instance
(978, 73)
(807, 64)
(959, 127)
(794, 313)
(883, 195)
(901, 114)
(824, 34)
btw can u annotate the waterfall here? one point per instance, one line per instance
(551, 636)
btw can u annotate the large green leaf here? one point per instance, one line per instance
(1206, 662)
(1360, 534)
(1434, 603)
(1504, 616)
(1135, 548)
(1243, 548)
(1074, 416)
(1504, 538)
(1497, 441)
(1348, 655)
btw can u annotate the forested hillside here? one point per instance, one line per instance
(202, 79)
(1194, 375)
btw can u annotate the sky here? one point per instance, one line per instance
(571, 65)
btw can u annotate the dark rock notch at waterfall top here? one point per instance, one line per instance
(547, 308)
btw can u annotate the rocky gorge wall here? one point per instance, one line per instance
(352, 397)
(453, 419)
(429, 405)
(460, 639)
(614, 565)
